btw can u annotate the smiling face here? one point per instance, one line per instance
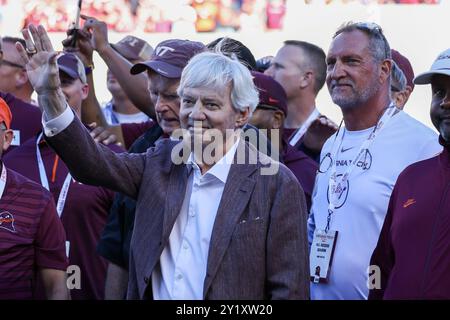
(352, 72)
(163, 93)
(440, 105)
(209, 108)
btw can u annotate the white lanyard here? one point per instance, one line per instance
(301, 131)
(335, 184)
(44, 181)
(2, 181)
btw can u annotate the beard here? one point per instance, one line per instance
(356, 97)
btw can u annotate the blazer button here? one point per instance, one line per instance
(146, 280)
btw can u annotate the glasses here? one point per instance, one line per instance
(11, 64)
(375, 30)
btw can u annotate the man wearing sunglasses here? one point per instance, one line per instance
(16, 90)
(13, 76)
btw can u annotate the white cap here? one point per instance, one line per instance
(440, 66)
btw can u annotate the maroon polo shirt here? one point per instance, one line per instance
(303, 167)
(413, 251)
(31, 236)
(132, 131)
(84, 214)
(288, 132)
(26, 118)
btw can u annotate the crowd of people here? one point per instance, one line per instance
(212, 174)
(167, 16)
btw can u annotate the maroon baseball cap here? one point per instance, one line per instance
(133, 48)
(170, 57)
(404, 65)
(271, 93)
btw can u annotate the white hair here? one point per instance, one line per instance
(215, 70)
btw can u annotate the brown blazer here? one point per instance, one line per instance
(258, 247)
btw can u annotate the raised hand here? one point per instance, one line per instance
(83, 46)
(39, 59)
(99, 32)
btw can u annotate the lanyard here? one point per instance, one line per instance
(44, 181)
(335, 184)
(301, 131)
(2, 181)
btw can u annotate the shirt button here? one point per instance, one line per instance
(185, 246)
(146, 280)
(179, 276)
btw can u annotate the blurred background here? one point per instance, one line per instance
(416, 28)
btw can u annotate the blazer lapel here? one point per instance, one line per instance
(174, 199)
(236, 194)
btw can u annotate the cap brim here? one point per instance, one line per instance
(425, 78)
(68, 71)
(160, 67)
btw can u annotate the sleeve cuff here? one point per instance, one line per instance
(56, 125)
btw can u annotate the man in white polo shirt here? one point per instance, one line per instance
(360, 163)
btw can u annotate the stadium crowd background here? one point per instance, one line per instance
(414, 27)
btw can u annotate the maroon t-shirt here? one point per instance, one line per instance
(84, 214)
(303, 167)
(132, 131)
(26, 118)
(31, 236)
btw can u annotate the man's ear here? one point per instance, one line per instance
(408, 90)
(400, 98)
(278, 119)
(307, 79)
(242, 117)
(85, 91)
(386, 67)
(9, 135)
(22, 77)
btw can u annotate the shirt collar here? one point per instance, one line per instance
(221, 168)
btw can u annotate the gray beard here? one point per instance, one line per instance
(357, 99)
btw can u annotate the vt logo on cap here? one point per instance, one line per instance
(160, 51)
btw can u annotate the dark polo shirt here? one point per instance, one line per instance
(303, 167)
(132, 131)
(413, 251)
(31, 236)
(84, 214)
(26, 118)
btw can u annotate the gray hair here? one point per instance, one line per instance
(398, 78)
(215, 70)
(378, 44)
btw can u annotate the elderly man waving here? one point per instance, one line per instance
(218, 228)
